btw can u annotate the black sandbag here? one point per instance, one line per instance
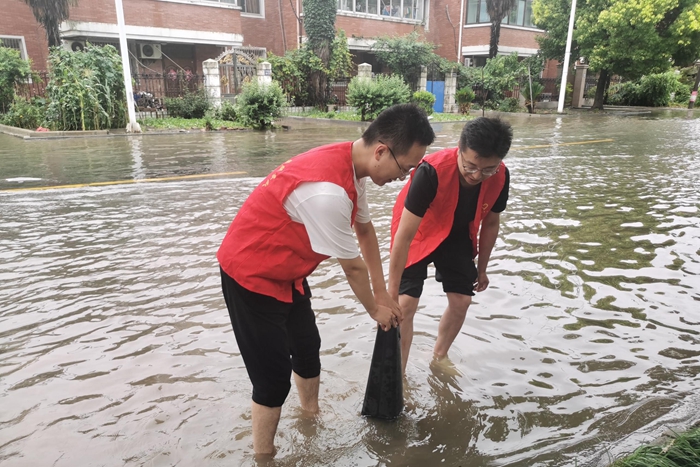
(384, 394)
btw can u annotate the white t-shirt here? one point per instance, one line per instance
(325, 210)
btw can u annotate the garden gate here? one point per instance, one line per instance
(436, 85)
(237, 67)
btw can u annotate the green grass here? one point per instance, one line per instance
(355, 117)
(171, 123)
(681, 451)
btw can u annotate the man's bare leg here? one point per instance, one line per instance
(265, 421)
(308, 392)
(409, 305)
(451, 322)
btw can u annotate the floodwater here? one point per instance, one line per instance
(116, 347)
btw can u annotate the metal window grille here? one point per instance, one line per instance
(13, 43)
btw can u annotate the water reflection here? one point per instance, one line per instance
(116, 346)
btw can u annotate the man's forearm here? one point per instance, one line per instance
(487, 240)
(369, 246)
(397, 264)
(357, 276)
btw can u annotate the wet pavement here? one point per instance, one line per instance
(116, 348)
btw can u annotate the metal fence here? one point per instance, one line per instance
(35, 87)
(149, 90)
(152, 89)
(338, 92)
(592, 82)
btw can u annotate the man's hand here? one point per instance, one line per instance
(384, 316)
(482, 282)
(382, 298)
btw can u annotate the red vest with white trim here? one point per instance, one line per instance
(264, 250)
(437, 222)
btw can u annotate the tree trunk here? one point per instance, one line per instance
(495, 36)
(603, 81)
(320, 78)
(53, 35)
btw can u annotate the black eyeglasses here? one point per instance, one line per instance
(404, 173)
(472, 170)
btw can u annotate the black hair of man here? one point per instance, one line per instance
(400, 127)
(487, 137)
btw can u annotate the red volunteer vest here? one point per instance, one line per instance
(264, 250)
(438, 219)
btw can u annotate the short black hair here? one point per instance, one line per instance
(486, 136)
(400, 126)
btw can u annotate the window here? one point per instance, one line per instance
(404, 9)
(16, 43)
(248, 6)
(521, 15)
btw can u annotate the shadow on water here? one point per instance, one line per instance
(115, 346)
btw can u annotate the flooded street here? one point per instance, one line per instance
(116, 347)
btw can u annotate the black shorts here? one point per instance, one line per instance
(454, 267)
(274, 338)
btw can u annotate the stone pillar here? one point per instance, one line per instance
(423, 80)
(579, 85)
(364, 72)
(212, 82)
(449, 105)
(264, 73)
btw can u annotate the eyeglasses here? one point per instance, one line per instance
(472, 170)
(404, 173)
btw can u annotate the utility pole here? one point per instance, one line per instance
(133, 126)
(567, 55)
(694, 94)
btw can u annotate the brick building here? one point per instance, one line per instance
(168, 34)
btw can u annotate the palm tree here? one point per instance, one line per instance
(50, 14)
(497, 10)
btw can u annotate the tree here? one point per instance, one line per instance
(319, 24)
(50, 14)
(405, 55)
(627, 38)
(13, 71)
(497, 10)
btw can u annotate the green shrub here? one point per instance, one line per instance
(425, 100)
(682, 93)
(259, 104)
(625, 93)
(85, 89)
(590, 94)
(192, 105)
(465, 97)
(25, 114)
(652, 90)
(655, 89)
(13, 70)
(227, 111)
(509, 104)
(370, 97)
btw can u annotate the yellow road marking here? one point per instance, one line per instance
(123, 182)
(562, 144)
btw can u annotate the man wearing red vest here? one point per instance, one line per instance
(299, 215)
(436, 219)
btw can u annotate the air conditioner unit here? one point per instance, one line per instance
(75, 46)
(151, 51)
(467, 61)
